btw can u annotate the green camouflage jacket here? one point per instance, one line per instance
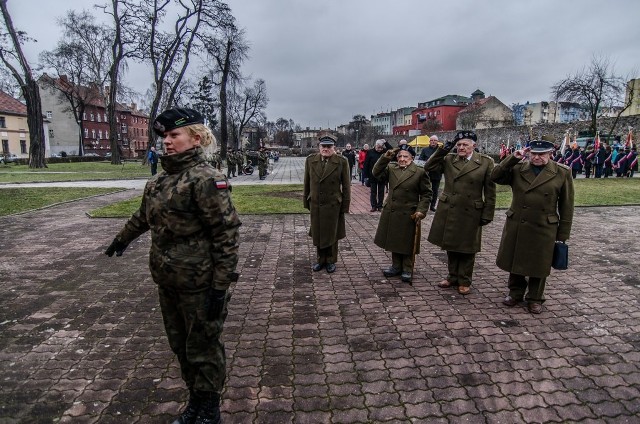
(194, 225)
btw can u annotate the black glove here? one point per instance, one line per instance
(448, 146)
(214, 304)
(484, 222)
(116, 247)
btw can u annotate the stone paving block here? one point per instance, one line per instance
(314, 347)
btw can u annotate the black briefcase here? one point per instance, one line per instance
(560, 256)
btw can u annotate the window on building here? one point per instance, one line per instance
(50, 133)
(5, 147)
(105, 117)
(84, 116)
(93, 134)
(98, 117)
(106, 134)
(86, 133)
(124, 128)
(92, 117)
(3, 122)
(100, 134)
(23, 147)
(49, 114)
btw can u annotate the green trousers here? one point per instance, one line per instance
(194, 339)
(327, 255)
(518, 285)
(460, 268)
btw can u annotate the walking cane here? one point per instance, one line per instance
(416, 246)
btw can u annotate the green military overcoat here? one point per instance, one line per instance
(469, 196)
(409, 192)
(541, 212)
(327, 195)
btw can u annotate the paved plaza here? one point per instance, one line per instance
(82, 341)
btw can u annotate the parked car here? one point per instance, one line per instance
(8, 158)
(107, 155)
(92, 155)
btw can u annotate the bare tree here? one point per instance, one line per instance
(8, 83)
(79, 65)
(12, 56)
(170, 52)
(593, 87)
(228, 51)
(245, 105)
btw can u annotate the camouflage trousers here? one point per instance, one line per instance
(194, 339)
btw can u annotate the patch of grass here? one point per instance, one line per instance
(248, 200)
(15, 200)
(77, 171)
(591, 192)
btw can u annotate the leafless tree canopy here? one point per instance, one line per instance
(594, 87)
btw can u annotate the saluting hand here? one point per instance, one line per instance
(522, 153)
(391, 153)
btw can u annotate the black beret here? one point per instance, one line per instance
(176, 118)
(465, 134)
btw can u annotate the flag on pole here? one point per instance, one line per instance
(566, 141)
(596, 142)
(629, 142)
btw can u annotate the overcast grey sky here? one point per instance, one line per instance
(326, 61)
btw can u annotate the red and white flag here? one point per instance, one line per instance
(629, 142)
(596, 142)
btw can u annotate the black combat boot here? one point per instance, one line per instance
(190, 413)
(209, 408)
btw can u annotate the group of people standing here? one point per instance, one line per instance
(600, 162)
(540, 215)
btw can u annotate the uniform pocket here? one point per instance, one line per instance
(479, 204)
(509, 213)
(552, 219)
(443, 198)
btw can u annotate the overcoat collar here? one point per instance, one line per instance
(548, 172)
(466, 167)
(405, 174)
(331, 166)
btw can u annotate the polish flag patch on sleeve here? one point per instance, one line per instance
(221, 185)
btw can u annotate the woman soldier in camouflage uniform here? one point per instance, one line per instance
(193, 256)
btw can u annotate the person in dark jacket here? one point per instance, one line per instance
(377, 186)
(434, 176)
(540, 214)
(598, 161)
(350, 154)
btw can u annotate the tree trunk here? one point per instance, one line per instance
(224, 131)
(35, 123)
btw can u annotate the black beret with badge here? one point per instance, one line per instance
(176, 118)
(465, 134)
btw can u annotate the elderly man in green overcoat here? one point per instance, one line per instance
(540, 214)
(407, 203)
(466, 204)
(327, 195)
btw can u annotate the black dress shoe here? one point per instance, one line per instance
(331, 268)
(391, 272)
(406, 277)
(317, 267)
(510, 301)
